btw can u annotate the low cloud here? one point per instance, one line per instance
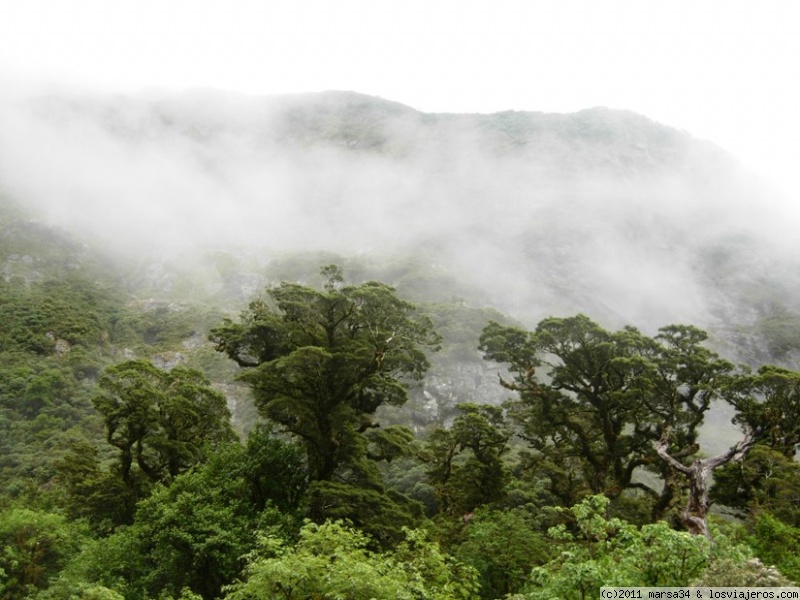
(600, 211)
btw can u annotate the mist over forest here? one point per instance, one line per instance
(463, 353)
(601, 211)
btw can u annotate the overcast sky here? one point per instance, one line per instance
(723, 70)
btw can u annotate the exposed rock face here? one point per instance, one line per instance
(22, 267)
(194, 342)
(448, 385)
(168, 360)
(61, 346)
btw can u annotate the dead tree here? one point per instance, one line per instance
(695, 515)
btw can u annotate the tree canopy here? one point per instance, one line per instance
(321, 362)
(596, 406)
(164, 422)
(127, 481)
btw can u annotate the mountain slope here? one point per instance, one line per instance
(601, 211)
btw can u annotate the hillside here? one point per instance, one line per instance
(602, 211)
(67, 313)
(139, 235)
(182, 208)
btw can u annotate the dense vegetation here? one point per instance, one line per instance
(365, 431)
(125, 480)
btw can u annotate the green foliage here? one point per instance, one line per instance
(274, 471)
(36, 316)
(320, 363)
(602, 405)
(732, 573)
(157, 326)
(769, 403)
(586, 412)
(112, 563)
(502, 547)
(43, 408)
(96, 592)
(65, 314)
(389, 443)
(90, 492)
(191, 536)
(604, 551)
(466, 466)
(381, 514)
(332, 561)
(55, 321)
(34, 546)
(163, 421)
(765, 481)
(173, 507)
(775, 543)
(408, 475)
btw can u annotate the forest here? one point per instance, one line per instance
(129, 481)
(247, 378)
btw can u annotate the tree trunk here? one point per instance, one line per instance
(695, 515)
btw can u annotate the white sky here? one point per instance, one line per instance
(724, 70)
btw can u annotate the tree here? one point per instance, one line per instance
(768, 402)
(768, 412)
(685, 377)
(466, 466)
(608, 403)
(100, 496)
(695, 515)
(163, 421)
(380, 513)
(333, 560)
(274, 470)
(192, 535)
(732, 573)
(503, 547)
(765, 481)
(775, 542)
(34, 546)
(581, 403)
(596, 550)
(321, 362)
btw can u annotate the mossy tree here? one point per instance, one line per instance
(321, 362)
(607, 403)
(164, 422)
(581, 404)
(465, 462)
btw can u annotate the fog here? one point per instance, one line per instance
(605, 212)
